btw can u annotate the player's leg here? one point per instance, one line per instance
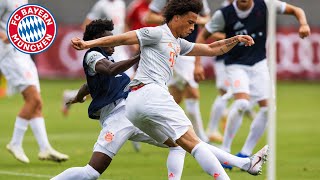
(192, 95)
(152, 116)
(259, 90)
(116, 131)
(240, 87)
(220, 104)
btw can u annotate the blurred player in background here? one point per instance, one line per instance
(21, 74)
(219, 107)
(186, 69)
(150, 106)
(247, 67)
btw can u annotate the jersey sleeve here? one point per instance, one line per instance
(91, 60)
(216, 23)
(280, 6)
(157, 5)
(149, 35)
(96, 12)
(185, 46)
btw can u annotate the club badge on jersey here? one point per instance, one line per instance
(31, 29)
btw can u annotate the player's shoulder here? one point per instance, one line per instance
(93, 55)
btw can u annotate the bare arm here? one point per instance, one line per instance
(108, 68)
(153, 18)
(4, 37)
(304, 29)
(81, 95)
(220, 47)
(128, 38)
(202, 20)
(85, 23)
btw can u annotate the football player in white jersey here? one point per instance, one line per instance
(21, 74)
(150, 106)
(183, 84)
(247, 70)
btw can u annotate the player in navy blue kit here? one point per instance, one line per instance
(247, 67)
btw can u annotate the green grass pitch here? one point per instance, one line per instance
(298, 144)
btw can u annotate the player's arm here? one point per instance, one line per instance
(109, 68)
(299, 13)
(85, 23)
(220, 47)
(152, 17)
(128, 38)
(4, 37)
(81, 95)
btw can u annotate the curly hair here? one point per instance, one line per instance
(97, 28)
(181, 7)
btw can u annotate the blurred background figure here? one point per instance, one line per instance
(22, 76)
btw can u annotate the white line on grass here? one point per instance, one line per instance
(12, 173)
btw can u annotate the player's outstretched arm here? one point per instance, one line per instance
(128, 38)
(304, 30)
(108, 68)
(220, 47)
(81, 95)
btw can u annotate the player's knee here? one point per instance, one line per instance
(242, 104)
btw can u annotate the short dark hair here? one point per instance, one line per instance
(181, 7)
(97, 28)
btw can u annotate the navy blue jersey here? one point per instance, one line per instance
(221, 57)
(254, 25)
(104, 89)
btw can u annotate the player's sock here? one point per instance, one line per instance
(80, 173)
(234, 122)
(39, 131)
(229, 159)
(20, 127)
(193, 112)
(256, 131)
(216, 113)
(208, 161)
(175, 162)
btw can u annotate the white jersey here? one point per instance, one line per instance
(217, 22)
(6, 9)
(158, 6)
(159, 51)
(110, 9)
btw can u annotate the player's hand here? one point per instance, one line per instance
(247, 40)
(304, 31)
(76, 100)
(4, 38)
(198, 73)
(78, 44)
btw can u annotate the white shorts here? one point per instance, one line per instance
(20, 71)
(221, 75)
(253, 80)
(153, 110)
(183, 73)
(117, 129)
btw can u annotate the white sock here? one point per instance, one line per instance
(209, 162)
(234, 121)
(229, 159)
(20, 127)
(39, 131)
(216, 113)
(175, 163)
(80, 173)
(193, 112)
(256, 131)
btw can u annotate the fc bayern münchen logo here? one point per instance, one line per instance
(31, 29)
